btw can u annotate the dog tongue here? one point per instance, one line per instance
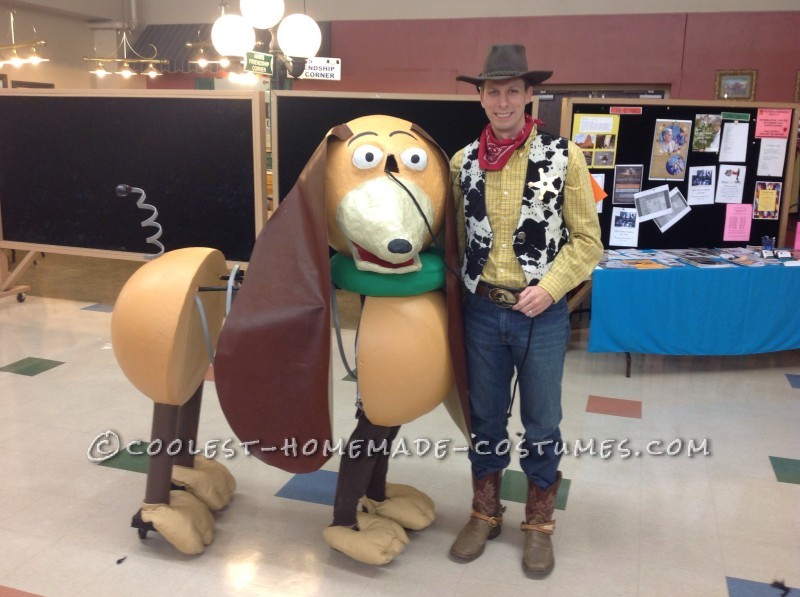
(365, 255)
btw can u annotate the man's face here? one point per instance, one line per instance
(504, 103)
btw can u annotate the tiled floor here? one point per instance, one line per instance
(683, 479)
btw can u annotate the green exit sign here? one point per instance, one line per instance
(258, 63)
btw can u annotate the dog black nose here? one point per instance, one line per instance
(399, 246)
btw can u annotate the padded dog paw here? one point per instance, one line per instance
(209, 481)
(405, 505)
(185, 522)
(377, 541)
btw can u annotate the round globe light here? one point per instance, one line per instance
(232, 36)
(299, 36)
(262, 14)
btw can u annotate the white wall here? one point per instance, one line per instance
(80, 9)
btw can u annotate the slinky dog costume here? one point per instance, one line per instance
(376, 190)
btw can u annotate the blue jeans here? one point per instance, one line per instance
(496, 341)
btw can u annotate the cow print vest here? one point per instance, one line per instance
(540, 232)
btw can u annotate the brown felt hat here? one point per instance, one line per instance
(507, 61)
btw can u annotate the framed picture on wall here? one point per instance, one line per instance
(735, 85)
(3, 81)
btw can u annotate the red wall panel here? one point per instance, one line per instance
(681, 50)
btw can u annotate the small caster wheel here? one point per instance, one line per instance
(21, 297)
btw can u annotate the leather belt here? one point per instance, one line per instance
(499, 295)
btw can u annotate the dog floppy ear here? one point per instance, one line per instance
(457, 404)
(272, 366)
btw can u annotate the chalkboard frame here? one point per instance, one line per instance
(300, 120)
(250, 146)
(704, 225)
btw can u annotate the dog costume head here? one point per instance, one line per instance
(382, 186)
(272, 365)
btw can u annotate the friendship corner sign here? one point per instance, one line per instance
(260, 63)
(323, 68)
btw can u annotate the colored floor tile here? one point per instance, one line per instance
(9, 592)
(99, 307)
(614, 406)
(787, 470)
(124, 460)
(515, 489)
(31, 366)
(738, 587)
(318, 487)
(794, 380)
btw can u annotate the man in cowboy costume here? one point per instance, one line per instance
(529, 234)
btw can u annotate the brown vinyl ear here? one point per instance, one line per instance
(458, 404)
(341, 132)
(272, 366)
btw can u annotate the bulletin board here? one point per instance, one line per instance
(199, 157)
(300, 121)
(730, 154)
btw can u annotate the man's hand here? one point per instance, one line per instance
(533, 300)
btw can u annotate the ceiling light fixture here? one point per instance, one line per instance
(100, 71)
(232, 35)
(127, 71)
(17, 60)
(206, 55)
(294, 38)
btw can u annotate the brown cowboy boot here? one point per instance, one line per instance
(537, 557)
(485, 521)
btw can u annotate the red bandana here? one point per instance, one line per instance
(494, 153)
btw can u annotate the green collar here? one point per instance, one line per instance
(431, 277)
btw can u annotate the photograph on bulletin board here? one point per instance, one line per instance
(679, 207)
(670, 149)
(702, 182)
(767, 200)
(730, 184)
(627, 182)
(707, 129)
(596, 135)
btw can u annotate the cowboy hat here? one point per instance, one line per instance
(507, 61)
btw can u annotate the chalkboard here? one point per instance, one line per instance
(703, 225)
(199, 156)
(300, 121)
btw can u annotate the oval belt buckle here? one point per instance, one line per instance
(502, 297)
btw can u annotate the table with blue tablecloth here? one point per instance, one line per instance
(696, 311)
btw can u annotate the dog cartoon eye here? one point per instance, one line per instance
(415, 158)
(367, 156)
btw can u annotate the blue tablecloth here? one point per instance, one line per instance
(696, 311)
